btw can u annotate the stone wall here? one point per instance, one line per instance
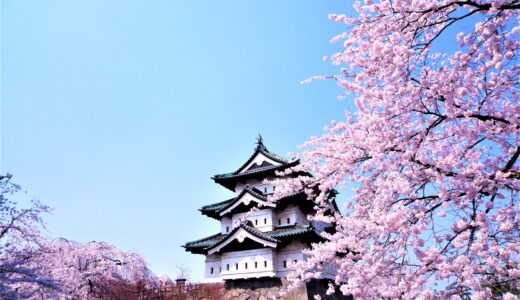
(270, 288)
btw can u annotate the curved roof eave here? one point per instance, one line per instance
(251, 230)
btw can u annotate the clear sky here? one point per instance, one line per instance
(117, 113)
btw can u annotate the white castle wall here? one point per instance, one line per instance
(266, 219)
(213, 265)
(226, 225)
(269, 263)
(262, 219)
(287, 256)
(290, 216)
(240, 264)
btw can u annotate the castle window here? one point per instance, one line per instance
(227, 267)
(246, 265)
(256, 222)
(288, 220)
(211, 271)
(256, 264)
(265, 221)
(227, 228)
(274, 188)
(265, 263)
(279, 221)
(285, 264)
(295, 261)
(236, 266)
(220, 269)
(265, 190)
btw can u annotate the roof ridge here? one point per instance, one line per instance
(223, 205)
(204, 239)
(290, 225)
(217, 203)
(257, 170)
(260, 148)
(245, 190)
(245, 227)
(251, 191)
(255, 231)
(274, 156)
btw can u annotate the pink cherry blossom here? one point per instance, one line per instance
(82, 270)
(432, 149)
(34, 266)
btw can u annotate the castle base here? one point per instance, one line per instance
(270, 288)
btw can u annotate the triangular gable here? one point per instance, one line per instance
(258, 160)
(260, 157)
(240, 234)
(246, 197)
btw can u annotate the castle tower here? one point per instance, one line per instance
(257, 243)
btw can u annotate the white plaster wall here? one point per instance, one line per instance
(213, 261)
(294, 215)
(239, 188)
(262, 219)
(226, 225)
(274, 259)
(289, 254)
(260, 256)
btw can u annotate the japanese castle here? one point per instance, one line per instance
(261, 242)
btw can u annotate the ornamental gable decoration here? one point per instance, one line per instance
(258, 238)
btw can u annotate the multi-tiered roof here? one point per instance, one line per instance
(245, 235)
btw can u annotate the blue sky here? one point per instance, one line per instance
(117, 113)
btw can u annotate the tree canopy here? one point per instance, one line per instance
(432, 150)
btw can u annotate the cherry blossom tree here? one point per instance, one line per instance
(34, 266)
(432, 150)
(92, 269)
(20, 238)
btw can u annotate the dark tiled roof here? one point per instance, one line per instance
(253, 192)
(260, 148)
(262, 165)
(206, 242)
(291, 230)
(253, 171)
(217, 207)
(228, 180)
(213, 210)
(277, 235)
(263, 235)
(247, 226)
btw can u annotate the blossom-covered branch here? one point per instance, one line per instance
(432, 149)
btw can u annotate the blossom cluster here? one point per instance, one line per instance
(34, 266)
(432, 150)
